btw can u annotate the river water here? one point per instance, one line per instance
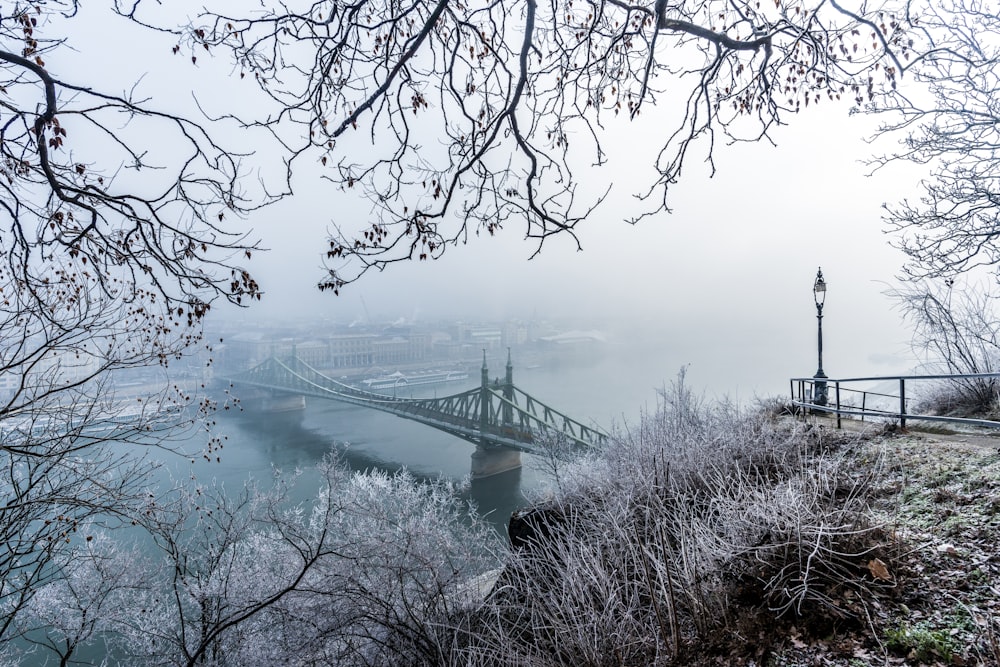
(608, 387)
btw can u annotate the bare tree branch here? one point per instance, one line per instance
(948, 119)
(459, 118)
(110, 260)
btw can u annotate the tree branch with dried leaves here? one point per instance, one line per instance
(114, 246)
(453, 119)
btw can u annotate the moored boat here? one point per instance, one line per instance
(399, 380)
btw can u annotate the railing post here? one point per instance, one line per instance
(902, 403)
(836, 387)
(864, 404)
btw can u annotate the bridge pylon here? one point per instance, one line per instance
(489, 461)
(489, 458)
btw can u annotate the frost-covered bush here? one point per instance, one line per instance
(955, 329)
(372, 573)
(703, 521)
(975, 398)
(703, 518)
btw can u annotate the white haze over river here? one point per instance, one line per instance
(607, 384)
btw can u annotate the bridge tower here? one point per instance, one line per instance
(492, 460)
(277, 401)
(508, 393)
(484, 399)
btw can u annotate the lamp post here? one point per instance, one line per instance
(819, 295)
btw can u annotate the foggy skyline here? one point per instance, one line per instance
(724, 283)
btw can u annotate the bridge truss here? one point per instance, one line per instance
(496, 414)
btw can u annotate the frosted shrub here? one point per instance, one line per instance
(371, 573)
(974, 397)
(704, 517)
(80, 605)
(705, 520)
(955, 330)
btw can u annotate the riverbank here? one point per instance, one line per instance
(937, 495)
(711, 537)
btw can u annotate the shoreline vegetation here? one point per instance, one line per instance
(712, 536)
(706, 534)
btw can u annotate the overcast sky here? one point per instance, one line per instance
(724, 283)
(728, 276)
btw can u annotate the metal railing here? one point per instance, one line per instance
(806, 392)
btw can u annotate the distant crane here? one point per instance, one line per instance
(368, 317)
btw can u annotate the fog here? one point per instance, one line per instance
(722, 284)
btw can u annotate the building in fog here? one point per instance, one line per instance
(515, 333)
(246, 350)
(474, 338)
(316, 353)
(333, 351)
(350, 350)
(572, 340)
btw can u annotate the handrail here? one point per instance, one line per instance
(808, 388)
(881, 378)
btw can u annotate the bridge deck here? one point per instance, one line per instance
(492, 415)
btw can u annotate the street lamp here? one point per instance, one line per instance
(819, 295)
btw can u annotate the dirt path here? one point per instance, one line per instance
(944, 433)
(937, 493)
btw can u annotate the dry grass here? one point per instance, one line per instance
(693, 537)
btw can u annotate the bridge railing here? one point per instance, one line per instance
(536, 417)
(499, 413)
(835, 396)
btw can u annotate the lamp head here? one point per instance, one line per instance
(819, 288)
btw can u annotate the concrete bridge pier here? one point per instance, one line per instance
(487, 461)
(283, 403)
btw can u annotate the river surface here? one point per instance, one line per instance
(609, 387)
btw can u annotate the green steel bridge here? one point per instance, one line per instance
(500, 419)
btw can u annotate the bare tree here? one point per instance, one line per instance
(78, 608)
(371, 573)
(457, 118)
(949, 120)
(49, 492)
(110, 259)
(74, 214)
(955, 326)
